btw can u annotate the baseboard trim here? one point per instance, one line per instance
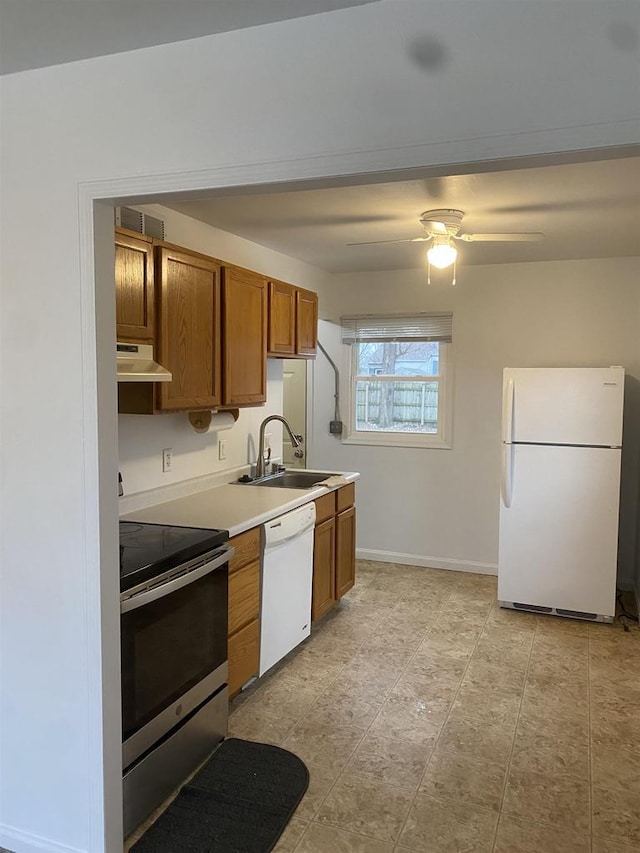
(12, 839)
(427, 562)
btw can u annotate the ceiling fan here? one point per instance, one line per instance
(443, 227)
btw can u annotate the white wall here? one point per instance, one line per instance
(342, 93)
(441, 506)
(141, 438)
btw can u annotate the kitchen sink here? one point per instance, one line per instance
(292, 479)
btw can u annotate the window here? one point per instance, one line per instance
(399, 371)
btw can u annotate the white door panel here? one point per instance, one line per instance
(559, 538)
(566, 405)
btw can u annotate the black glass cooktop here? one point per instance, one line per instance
(148, 550)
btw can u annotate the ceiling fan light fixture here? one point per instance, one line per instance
(442, 254)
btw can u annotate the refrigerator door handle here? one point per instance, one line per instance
(507, 410)
(507, 474)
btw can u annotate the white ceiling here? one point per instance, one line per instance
(585, 210)
(38, 33)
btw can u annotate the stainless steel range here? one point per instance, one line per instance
(173, 603)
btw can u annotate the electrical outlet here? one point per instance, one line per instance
(222, 449)
(167, 459)
(267, 440)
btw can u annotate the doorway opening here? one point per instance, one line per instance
(294, 409)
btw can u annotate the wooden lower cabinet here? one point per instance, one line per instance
(244, 596)
(324, 568)
(334, 549)
(345, 551)
(244, 609)
(244, 655)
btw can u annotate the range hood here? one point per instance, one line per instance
(136, 364)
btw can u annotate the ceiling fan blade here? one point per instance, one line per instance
(526, 237)
(408, 240)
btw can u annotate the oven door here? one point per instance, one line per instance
(173, 651)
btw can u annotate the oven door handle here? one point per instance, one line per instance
(147, 597)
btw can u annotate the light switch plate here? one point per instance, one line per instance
(222, 449)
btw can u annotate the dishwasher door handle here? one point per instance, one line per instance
(270, 546)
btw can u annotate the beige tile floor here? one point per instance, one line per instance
(433, 721)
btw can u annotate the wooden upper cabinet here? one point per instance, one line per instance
(244, 307)
(189, 330)
(306, 322)
(134, 287)
(282, 319)
(293, 321)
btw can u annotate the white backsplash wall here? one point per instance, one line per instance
(142, 438)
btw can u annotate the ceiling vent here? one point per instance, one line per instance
(142, 223)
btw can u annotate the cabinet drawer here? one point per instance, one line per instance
(244, 596)
(325, 507)
(247, 547)
(244, 655)
(345, 497)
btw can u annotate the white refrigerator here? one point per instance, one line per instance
(560, 490)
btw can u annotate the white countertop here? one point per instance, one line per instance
(231, 507)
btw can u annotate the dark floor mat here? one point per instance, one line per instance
(239, 802)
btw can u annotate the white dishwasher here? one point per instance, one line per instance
(287, 571)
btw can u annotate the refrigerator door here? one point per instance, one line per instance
(563, 405)
(559, 538)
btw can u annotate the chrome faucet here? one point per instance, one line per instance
(296, 440)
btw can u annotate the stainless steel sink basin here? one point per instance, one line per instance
(292, 480)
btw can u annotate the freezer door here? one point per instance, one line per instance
(559, 538)
(563, 405)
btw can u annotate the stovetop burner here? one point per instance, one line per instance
(148, 550)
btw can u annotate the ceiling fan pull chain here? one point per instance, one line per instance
(453, 281)
(428, 271)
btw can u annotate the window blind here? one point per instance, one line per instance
(367, 328)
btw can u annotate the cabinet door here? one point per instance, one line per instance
(345, 551)
(324, 574)
(244, 655)
(244, 306)
(134, 288)
(282, 319)
(189, 324)
(306, 322)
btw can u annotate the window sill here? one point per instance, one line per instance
(398, 440)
